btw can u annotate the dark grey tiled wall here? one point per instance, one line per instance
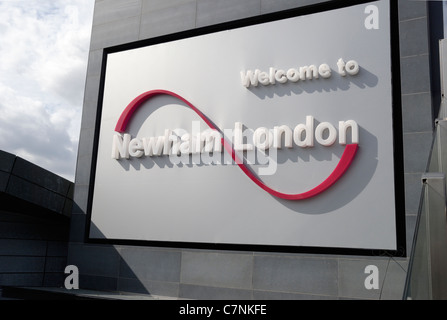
(34, 224)
(416, 101)
(208, 274)
(23, 180)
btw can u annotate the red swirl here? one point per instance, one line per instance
(344, 163)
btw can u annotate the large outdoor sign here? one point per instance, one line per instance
(276, 132)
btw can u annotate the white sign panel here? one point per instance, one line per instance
(271, 134)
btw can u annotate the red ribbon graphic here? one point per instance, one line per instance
(344, 163)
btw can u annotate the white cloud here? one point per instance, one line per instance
(44, 49)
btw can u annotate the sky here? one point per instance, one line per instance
(44, 48)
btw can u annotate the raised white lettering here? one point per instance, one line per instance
(181, 143)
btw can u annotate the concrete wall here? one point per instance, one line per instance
(209, 274)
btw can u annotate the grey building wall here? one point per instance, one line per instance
(35, 207)
(211, 274)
